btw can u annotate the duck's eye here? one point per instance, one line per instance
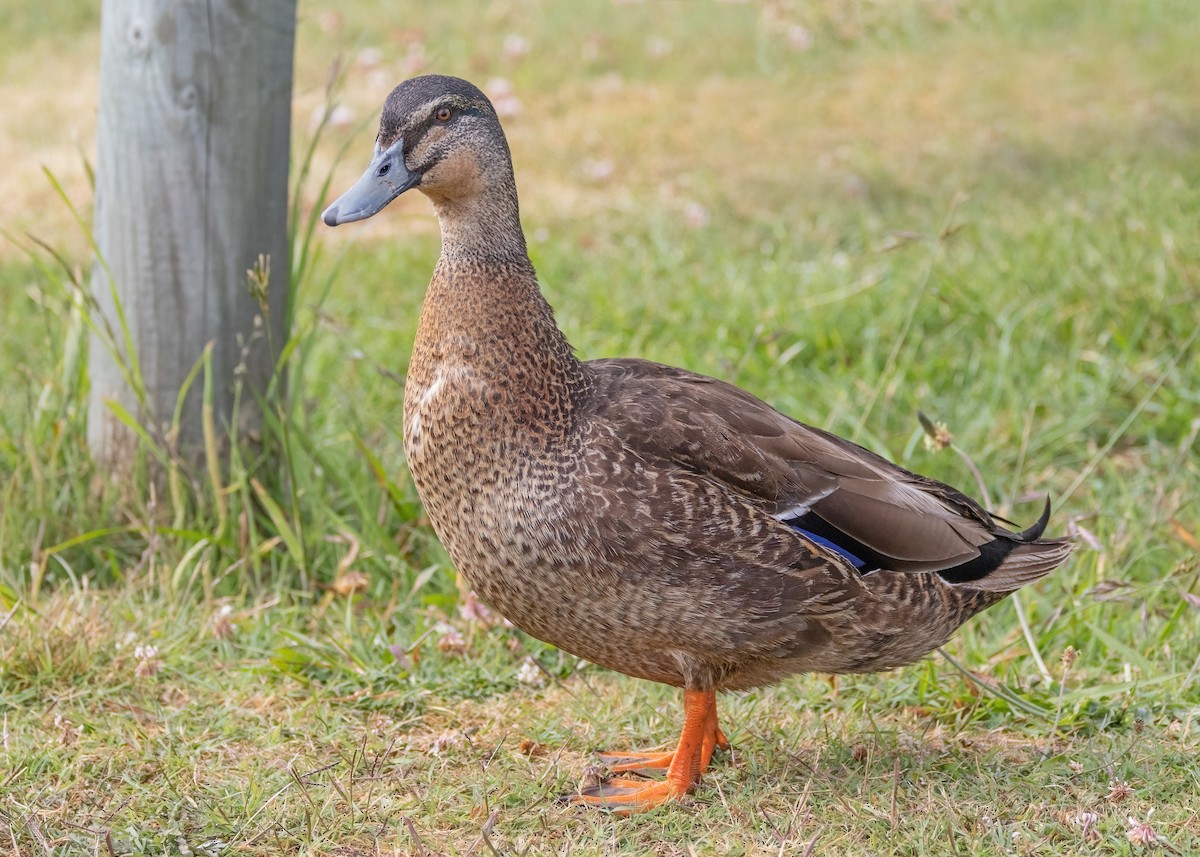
(443, 114)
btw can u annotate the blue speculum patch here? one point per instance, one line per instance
(836, 548)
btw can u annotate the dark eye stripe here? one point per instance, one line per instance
(415, 135)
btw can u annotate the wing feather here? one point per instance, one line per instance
(906, 521)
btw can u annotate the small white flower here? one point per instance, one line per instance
(449, 640)
(1086, 822)
(695, 215)
(1118, 790)
(329, 21)
(471, 609)
(516, 46)
(1140, 832)
(147, 660)
(530, 674)
(498, 87)
(378, 79)
(369, 57)
(68, 732)
(220, 624)
(799, 37)
(609, 84)
(657, 47)
(508, 106)
(414, 60)
(445, 741)
(599, 170)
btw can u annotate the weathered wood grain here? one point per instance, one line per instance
(191, 188)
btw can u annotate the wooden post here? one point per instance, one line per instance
(191, 188)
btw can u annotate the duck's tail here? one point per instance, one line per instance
(1027, 557)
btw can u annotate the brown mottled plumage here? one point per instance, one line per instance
(654, 521)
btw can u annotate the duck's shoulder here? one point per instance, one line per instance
(653, 396)
(718, 429)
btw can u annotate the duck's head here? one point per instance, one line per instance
(437, 134)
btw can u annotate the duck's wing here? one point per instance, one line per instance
(843, 497)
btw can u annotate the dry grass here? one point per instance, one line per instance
(47, 126)
(242, 756)
(982, 100)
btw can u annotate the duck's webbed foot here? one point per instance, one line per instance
(682, 766)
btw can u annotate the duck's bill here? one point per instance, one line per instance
(385, 179)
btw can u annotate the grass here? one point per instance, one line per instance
(983, 211)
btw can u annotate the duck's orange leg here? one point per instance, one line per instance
(659, 760)
(683, 765)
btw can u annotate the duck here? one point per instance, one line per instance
(648, 519)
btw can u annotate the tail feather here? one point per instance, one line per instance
(1032, 559)
(1012, 560)
(1033, 533)
(1025, 564)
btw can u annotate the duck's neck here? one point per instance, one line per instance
(479, 213)
(484, 318)
(487, 228)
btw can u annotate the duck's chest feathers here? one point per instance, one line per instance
(443, 403)
(481, 445)
(489, 410)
